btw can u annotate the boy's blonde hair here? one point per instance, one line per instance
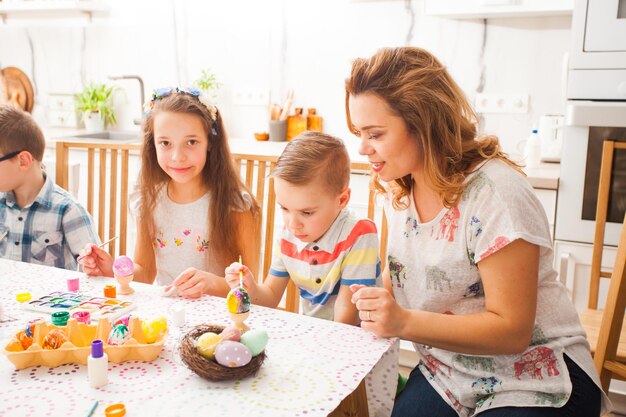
(315, 156)
(20, 132)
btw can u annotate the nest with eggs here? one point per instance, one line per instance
(210, 369)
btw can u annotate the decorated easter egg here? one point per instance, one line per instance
(255, 340)
(119, 334)
(25, 340)
(153, 329)
(123, 320)
(30, 327)
(232, 354)
(123, 266)
(54, 339)
(206, 344)
(231, 333)
(238, 300)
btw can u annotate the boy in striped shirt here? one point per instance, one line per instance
(323, 247)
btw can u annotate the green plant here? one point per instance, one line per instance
(97, 98)
(207, 82)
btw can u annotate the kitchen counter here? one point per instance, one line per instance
(545, 177)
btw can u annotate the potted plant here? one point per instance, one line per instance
(207, 83)
(96, 104)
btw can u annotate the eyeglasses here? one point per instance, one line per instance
(9, 155)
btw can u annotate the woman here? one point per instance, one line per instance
(469, 275)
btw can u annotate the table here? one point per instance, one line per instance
(312, 365)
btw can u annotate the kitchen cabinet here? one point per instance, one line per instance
(572, 261)
(486, 9)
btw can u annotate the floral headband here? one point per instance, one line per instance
(159, 93)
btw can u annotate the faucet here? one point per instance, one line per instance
(141, 91)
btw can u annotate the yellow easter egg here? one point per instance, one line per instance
(147, 332)
(206, 344)
(159, 325)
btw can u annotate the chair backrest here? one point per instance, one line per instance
(601, 215)
(109, 163)
(605, 357)
(255, 170)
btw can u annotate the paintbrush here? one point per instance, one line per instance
(100, 246)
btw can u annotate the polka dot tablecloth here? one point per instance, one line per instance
(311, 364)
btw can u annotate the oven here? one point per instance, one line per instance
(596, 111)
(588, 125)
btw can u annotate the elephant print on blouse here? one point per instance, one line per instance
(434, 365)
(486, 385)
(534, 361)
(475, 363)
(475, 228)
(484, 401)
(397, 271)
(412, 227)
(543, 398)
(501, 241)
(463, 411)
(476, 184)
(449, 224)
(436, 278)
(538, 338)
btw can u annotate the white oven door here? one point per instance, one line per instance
(580, 117)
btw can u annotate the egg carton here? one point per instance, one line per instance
(78, 347)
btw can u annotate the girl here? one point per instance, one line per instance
(194, 214)
(469, 275)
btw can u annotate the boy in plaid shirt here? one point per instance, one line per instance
(39, 221)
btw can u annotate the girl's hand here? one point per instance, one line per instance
(378, 310)
(192, 282)
(231, 275)
(95, 261)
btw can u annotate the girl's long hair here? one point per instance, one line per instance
(435, 110)
(218, 175)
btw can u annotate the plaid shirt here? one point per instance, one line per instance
(50, 231)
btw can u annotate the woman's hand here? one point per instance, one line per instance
(378, 310)
(95, 261)
(192, 282)
(232, 277)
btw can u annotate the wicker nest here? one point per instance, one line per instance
(210, 369)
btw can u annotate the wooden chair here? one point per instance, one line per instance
(111, 158)
(592, 318)
(607, 356)
(255, 170)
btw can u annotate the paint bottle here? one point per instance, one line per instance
(97, 365)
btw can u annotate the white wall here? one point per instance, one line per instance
(272, 46)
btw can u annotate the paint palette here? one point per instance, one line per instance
(110, 308)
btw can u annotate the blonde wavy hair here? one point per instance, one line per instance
(419, 89)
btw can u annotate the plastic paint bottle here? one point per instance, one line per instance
(97, 365)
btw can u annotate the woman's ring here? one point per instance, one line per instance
(368, 318)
